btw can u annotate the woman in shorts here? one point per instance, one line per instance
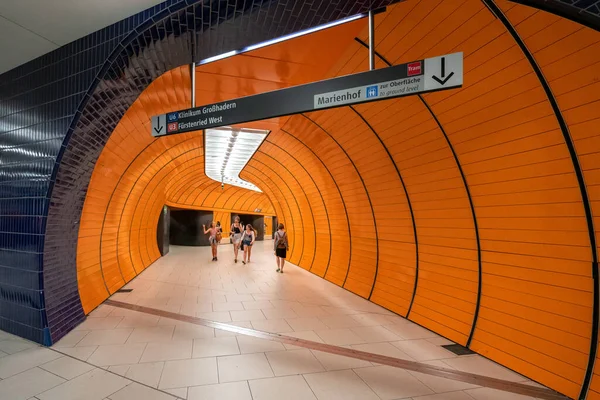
(248, 240)
(212, 239)
(281, 247)
(236, 236)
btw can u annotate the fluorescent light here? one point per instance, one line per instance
(219, 57)
(228, 151)
(283, 38)
(302, 33)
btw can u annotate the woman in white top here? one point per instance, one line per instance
(248, 240)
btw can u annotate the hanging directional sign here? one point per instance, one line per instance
(432, 74)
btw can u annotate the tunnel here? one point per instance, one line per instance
(471, 212)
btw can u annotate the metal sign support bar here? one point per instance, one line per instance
(371, 40)
(193, 73)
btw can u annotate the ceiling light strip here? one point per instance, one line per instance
(282, 38)
(227, 153)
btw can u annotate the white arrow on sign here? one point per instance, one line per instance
(444, 71)
(159, 125)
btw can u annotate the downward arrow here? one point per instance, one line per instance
(442, 81)
(160, 127)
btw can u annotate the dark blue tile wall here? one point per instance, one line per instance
(57, 112)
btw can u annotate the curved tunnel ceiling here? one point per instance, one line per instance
(472, 212)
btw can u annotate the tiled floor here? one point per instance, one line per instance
(120, 354)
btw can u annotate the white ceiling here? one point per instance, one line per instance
(31, 28)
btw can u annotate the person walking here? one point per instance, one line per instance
(212, 239)
(281, 246)
(236, 236)
(247, 241)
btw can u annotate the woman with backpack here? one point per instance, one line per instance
(213, 239)
(236, 236)
(281, 247)
(247, 241)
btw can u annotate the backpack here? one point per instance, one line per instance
(281, 241)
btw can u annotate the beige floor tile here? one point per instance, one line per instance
(175, 350)
(446, 396)
(139, 321)
(67, 367)
(340, 321)
(370, 319)
(411, 331)
(384, 349)
(147, 373)
(271, 325)
(94, 385)
(374, 334)
(13, 346)
(331, 310)
(279, 313)
(244, 367)
(306, 324)
(179, 392)
(192, 309)
(258, 305)
(230, 306)
(284, 304)
(339, 385)
(493, 394)
(308, 312)
(185, 373)
(7, 336)
(249, 344)
(27, 384)
(106, 337)
(293, 362)
(339, 337)
(423, 350)
(239, 297)
(92, 324)
(222, 316)
(247, 315)
(71, 339)
(294, 387)
(479, 365)
(392, 383)
(101, 311)
(117, 354)
(334, 362)
(233, 391)
(82, 353)
(213, 347)
(190, 332)
(152, 334)
(136, 391)
(19, 362)
(119, 369)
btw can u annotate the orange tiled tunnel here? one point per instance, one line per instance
(465, 211)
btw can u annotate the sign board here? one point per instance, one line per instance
(431, 74)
